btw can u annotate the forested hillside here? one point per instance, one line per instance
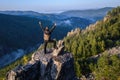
(94, 40)
(14, 31)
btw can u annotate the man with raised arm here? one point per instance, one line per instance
(47, 36)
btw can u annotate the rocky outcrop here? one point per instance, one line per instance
(109, 52)
(55, 65)
(74, 32)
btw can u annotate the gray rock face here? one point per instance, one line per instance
(110, 52)
(55, 65)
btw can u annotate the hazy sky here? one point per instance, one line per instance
(55, 5)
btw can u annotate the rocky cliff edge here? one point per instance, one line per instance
(57, 64)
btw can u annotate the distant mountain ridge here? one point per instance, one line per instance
(58, 18)
(20, 12)
(34, 14)
(90, 13)
(72, 18)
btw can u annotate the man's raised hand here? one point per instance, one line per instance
(39, 22)
(54, 24)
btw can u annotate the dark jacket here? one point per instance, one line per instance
(47, 33)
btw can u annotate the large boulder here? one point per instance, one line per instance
(55, 65)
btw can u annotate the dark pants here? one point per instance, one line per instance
(49, 41)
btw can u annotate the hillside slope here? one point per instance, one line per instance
(95, 39)
(15, 31)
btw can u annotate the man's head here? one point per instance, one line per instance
(46, 28)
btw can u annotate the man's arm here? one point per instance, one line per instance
(41, 26)
(51, 30)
